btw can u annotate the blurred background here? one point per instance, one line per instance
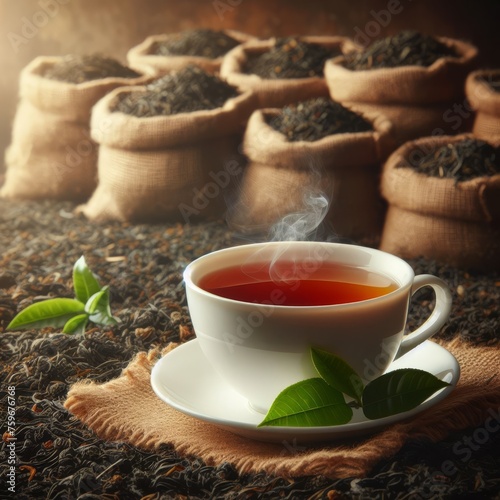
(29, 28)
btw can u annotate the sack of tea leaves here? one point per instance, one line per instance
(414, 79)
(169, 150)
(313, 159)
(483, 94)
(444, 201)
(282, 71)
(161, 54)
(52, 154)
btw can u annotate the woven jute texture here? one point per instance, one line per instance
(284, 178)
(486, 103)
(164, 167)
(454, 222)
(418, 100)
(142, 57)
(126, 409)
(52, 154)
(275, 93)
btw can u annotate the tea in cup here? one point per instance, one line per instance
(258, 309)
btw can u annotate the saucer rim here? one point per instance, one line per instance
(333, 431)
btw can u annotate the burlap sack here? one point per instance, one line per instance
(165, 167)
(486, 103)
(52, 154)
(418, 100)
(278, 93)
(141, 57)
(457, 223)
(285, 178)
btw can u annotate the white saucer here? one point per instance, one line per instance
(185, 380)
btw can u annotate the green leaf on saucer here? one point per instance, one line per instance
(337, 373)
(309, 403)
(84, 281)
(76, 324)
(399, 391)
(51, 312)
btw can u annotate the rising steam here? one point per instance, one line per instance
(307, 222)
(302, 225)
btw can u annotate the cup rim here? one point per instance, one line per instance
(402, 287)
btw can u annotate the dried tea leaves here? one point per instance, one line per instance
(79, 69)
(200, 42)
(408, 48)
(462, 161)
(185, 91)
(290, 58)
(317, 118)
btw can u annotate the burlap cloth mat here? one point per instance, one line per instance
(126, 409)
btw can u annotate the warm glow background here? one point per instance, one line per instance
(29, 28)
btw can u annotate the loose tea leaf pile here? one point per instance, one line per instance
(461, 161)
(79, 69)
(408, 48)
(317, 118)
(185, 91)
(200, 42)
(290, 58)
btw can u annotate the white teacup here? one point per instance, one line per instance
(262, 348)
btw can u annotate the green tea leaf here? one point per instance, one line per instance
(399, 391)
(98, 308)
(309, 403)
(84, 281)
(51, 312)
(92, 303)
(76, 324)
(337, 373)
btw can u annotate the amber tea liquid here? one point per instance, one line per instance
(291, 283)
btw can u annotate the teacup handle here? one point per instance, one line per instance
(438, 316)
